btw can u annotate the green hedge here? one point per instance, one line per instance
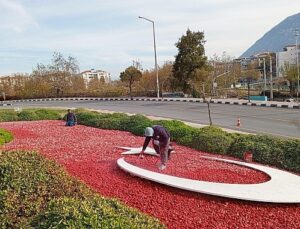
(8, 116)
(30, 115)
(280, 152)
(37, 193)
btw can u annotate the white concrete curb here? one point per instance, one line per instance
(192, 100)
(283, 187)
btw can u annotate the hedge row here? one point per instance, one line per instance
(30, 115)
(279, 152)
(37, 193)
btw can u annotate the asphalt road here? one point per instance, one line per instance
(275, 121)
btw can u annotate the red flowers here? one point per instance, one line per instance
(90, 154)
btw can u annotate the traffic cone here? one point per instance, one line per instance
(238, 124)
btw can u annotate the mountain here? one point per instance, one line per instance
(277, 38)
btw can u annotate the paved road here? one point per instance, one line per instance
(276, 121)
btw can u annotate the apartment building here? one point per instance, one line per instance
(96, 74)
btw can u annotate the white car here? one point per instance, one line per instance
(289, 100)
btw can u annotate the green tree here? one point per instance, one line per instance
(130, 75)
(190, 60)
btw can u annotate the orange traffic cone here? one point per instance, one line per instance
(238, 124)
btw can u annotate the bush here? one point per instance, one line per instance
(180, 132)
(112, 121)
(95, 213)
(5, 136)
(36, 192)
(282, 153)
(8, 116)
(43, 114)
(136, 124)
(87, 118)
(212, 139)
(27, 115)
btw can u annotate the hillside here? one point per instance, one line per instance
(277, 38)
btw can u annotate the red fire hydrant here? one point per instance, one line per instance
(248, 156)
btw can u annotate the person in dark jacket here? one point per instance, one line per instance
(161, 143)
(71, 118)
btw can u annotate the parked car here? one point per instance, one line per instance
(289, 100)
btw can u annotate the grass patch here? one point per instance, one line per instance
(5, 136)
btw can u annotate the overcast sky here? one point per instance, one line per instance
(108, 35)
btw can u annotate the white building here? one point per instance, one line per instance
(96, 74)
(287, 56)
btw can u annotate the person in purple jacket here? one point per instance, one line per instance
(161, 143)
(71, 118)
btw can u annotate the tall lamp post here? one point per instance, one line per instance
(296, 32)
(156, 68)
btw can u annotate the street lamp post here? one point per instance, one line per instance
(297, 62)
(155, 56)
(265, 77)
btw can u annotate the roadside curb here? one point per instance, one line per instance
(214, 101)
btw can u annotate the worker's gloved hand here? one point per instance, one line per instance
(141, 154)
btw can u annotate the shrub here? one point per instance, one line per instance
(36, 192)
(43, 114)
(8, 116)
(5, 136)
(282, 153)
(180, 132)
(212, 139)
(136, 124)
(27, 115)
(95, 213)
(113, 121)
(291, 155)
(87, 118)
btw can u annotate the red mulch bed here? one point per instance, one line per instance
(90, 154)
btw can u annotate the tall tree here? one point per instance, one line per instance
(57, 75)
(191, 71)
(130, 75)
(190, 60)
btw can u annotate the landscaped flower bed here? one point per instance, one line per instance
(90, 154)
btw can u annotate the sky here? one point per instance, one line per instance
(108, 35)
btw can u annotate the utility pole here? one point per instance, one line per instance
(297, 61)
(265, 77)
(271, 79)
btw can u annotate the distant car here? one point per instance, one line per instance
(173, 95)
(289, 100)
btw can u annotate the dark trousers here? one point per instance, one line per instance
(70, 123)
(162, 150)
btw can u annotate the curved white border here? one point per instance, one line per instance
(283, 187)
